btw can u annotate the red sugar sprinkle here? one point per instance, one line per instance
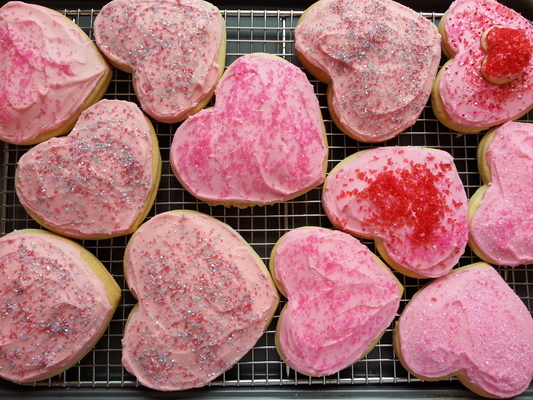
(407, 198)
(508, 52)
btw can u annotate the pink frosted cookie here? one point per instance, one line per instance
(472, 325)
(99, 181)
(50, 72)
(489, 76)
(263, 141)
(205, 298)
(379, 59)
(410, 200)
(175, 49)
(501, 211)
(56, 300)
(341, 298)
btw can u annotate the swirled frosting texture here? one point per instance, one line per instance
(52, 306)
(98, 180)
(171, 46)
(340, 299)
(471, 102)
(469, 322)
(381, 59)
(49, 67)
(263, 142)
(205, 298)
(502, 226)
(410, 199)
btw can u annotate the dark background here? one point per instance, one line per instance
(525, 7)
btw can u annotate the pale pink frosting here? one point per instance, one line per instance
(49, 67)
(382, 58)
(95, 181)
(502, 226)
(52, 306)
(470, 321)
(263, 142)
(410, 198)
(340, 299)
(205, 298)
(468, 99)
(171, 46)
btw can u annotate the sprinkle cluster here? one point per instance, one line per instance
(204, 300)
(171, 47)
(94, 181)
(51, 306)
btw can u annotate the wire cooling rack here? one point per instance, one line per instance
(270, 32)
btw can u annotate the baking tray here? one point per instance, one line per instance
(261, 373)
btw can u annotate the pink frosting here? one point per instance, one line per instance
(52, 306)
(382, 58)
(49, 67)
(263, 142)
(412, 199)
(95, 181)
(205, 298)
(171, 46)
(470, 321)
(468, 99)
(340, 299)
(502, 227)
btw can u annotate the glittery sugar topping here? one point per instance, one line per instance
(508, 53)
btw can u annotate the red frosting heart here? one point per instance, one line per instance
(508, 54)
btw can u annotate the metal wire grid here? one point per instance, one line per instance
(269, 32)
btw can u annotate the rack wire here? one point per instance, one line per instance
(271, 32)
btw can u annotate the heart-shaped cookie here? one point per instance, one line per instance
(50, 72)
(176, 51)
(263, 141)
(501, 211)
(56, 300)
(489, 76)
(205, 298)
(341, 298)
(410, 200)
(379, 59)
(508, 54)
(99, 181)
(472, 325)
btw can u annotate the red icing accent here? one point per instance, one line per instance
(407, 198)
(508, 52)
